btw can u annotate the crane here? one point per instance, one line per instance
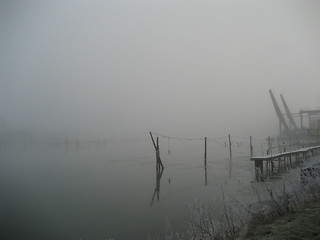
(288, 113)
(278, 112)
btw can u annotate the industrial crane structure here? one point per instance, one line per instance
(292, 128)
(289, 114)
(282, 121)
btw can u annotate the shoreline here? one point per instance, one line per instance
(302, 224)
(282, 210)
(293, 214)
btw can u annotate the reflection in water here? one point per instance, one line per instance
(230, 149)
(205, 171)
(205, 174)
(159, 172)
(230, 167)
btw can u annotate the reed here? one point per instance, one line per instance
(234, 219)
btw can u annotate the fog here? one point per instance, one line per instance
(120, 68)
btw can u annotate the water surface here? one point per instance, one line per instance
(112, 190)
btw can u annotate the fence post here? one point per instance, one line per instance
(205, 162)
(156, 147)
(205, 151)
(251, 149)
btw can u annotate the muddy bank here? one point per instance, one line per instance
(303, 224)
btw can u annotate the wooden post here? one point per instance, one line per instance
(158, 155)
(157, 189)
(159, 159)
(251, 149)
(230, 146)
(205, 162)
(155, 147)
(205, 151)
(159, 165)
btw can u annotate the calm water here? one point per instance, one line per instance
(99, 192)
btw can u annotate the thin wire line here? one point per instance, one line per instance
(188, 139)
(177, 138)
(209, 139)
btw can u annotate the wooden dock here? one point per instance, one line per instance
(273, 163)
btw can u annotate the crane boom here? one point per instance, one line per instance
(278, 111)
(288, 112)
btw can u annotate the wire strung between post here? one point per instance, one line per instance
(177, 138)
(189, 139)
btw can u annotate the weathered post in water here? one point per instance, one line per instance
(230, 146)
(251, 149)
(205, 151)
(158, 155)
(205, 162)
(159, 165)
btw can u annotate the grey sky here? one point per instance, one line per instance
(182, 68)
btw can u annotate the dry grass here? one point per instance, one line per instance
(234, 220)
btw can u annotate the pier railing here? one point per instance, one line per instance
(272, 163)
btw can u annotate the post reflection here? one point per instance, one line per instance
(159, 172)
(206, 175)
(205, 171)
(230, 167)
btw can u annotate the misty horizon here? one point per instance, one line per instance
(168, 119)
(181, 68)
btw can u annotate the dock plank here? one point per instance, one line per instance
(284, 154)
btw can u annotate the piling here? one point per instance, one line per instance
(205, 162)
(205, 151)
(284, 160)
(159, 165)
(251, 148)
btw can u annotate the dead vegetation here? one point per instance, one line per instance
(234, 220)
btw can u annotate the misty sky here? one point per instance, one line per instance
(178, 67)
